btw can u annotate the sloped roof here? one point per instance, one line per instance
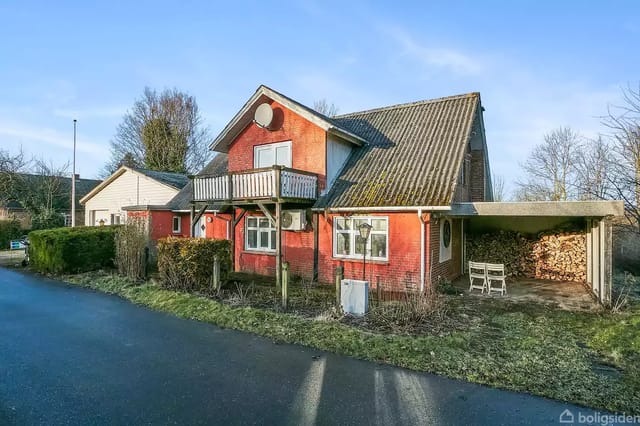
(83, 187)
(176, 180)
(172, 180)
(413, 154)
(265, 94)
(182, 200)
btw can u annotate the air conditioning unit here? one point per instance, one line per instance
(293, 220)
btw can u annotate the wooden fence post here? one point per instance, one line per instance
(285, 284)
(339, 276)
(216, 273)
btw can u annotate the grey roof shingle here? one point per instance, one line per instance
(413, 156)
(175, 180)
(216, 167)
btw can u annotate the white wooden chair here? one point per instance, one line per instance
(495, 273)
(478, 271)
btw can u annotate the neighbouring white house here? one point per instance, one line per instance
(128, 187)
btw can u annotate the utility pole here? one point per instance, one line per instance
(73, 179)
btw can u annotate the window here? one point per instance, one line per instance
(272, 154)
(115, 219)
(260, 234)
(348, 244)
(445, 240)
(176, 225)
(67, 219)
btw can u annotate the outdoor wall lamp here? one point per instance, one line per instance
(365, 230)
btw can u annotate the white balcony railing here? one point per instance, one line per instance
(256, 184)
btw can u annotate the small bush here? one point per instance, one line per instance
(9, 230)
(186, 264)
(47, 219)
(131, 242)
(407, 311)
(72, 250)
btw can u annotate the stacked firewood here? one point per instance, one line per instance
(553, 256)
(561, 257)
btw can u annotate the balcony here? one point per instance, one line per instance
(274, 183)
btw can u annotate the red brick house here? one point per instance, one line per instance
(298, 184)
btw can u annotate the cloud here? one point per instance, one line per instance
(443, 58)
(90, 112)
(34, 135)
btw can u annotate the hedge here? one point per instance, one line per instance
(186, 264)
(72, 250)
(9, 230)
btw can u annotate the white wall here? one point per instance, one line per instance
(338, 152)
(128, 189)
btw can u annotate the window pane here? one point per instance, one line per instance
(358, 222)
(283, 156)
(342, 223)
(265, 157)
(252, 239)
(359, 245)
(378, 245)
(343, 244)
(252, 222)
(264, 223)
(273, 240)
(379, 224)
(264, 239)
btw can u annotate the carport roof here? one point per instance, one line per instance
(540, 208)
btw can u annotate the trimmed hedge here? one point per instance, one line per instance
(72, 250)
(9, 230)
(186, 264)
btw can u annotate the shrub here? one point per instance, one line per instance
(9, 230)
(131, 242)
(186, 264)
(47, 219)
(72, 250)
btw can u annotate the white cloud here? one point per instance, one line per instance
(430, 56)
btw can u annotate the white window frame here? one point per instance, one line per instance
(173, 224)
(259, 230)
(115, 219)
(273, 147)
(356, 233)
(67, 219)
(445, 252)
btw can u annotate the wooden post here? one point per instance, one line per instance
(378, 290)
(285, 284)
(339, 276)
(216, 273)
(278, 246)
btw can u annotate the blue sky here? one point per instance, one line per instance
(537, 64)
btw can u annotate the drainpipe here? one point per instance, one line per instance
(422, 249)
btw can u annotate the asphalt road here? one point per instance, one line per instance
(73, 356)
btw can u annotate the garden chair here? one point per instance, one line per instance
(477, 271)
(495, 273)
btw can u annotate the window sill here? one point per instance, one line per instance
(259, 252)
(356, 260)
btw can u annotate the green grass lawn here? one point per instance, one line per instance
(592, 359)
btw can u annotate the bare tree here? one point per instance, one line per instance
(11, 166)
(162, 132)
(551, 168)
(624, 124)
(323, 107)
(499, 191)
(593, 170)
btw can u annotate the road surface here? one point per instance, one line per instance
(73, 356)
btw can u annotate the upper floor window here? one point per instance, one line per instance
(272, 154)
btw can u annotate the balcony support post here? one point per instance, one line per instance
(278, 246)
(266, 212)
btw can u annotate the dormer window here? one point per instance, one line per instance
(272, 154)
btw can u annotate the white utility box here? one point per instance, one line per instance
(354, 296)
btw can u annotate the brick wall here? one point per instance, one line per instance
(449, 269)
(308, 143)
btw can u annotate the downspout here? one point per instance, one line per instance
(422, 250)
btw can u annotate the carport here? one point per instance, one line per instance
(531, 218)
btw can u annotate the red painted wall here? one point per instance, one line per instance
(217, 228)
(162, 224)
(308, 143)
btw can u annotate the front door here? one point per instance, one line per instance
(200, 228)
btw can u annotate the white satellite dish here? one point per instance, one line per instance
(263, 115)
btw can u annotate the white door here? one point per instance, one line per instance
(200, 228)
(272, 154)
